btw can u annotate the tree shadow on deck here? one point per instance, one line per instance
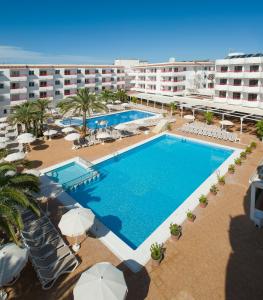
(244, 268)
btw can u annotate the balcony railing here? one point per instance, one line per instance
(17, 75)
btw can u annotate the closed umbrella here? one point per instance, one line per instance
(68, 129)
(72, 137)
(15, 156)
(50, 132)
(12, 260)
(76, 222)
(103, 281)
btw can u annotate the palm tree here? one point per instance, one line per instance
(173, 107)
(16, 191)
(107, 95)
(208, 115)
(40, 108)
(22, 114)
(84, 103)
(121, 95)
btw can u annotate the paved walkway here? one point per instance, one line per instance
(220, 255)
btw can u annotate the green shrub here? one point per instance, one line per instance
(221, 179)
(214, 189)
(243, 155)
(253, 145)
(238, 161)
(248, 150)
(190, 215)
(156, 251)
(259, 127)
(203, 199)
(208, 115)
(175, 229)
(231, 168)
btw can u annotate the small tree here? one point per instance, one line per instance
(173, 107)
(208, 115)
(259, 127)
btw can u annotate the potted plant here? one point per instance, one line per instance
(214, 189)
(238, 161)
(243, 155)
(253, 145)
(231, 169)
(248, 150)
(221, 179)
(156, 253)
(203, 201)
(176, 231)
(190, 216)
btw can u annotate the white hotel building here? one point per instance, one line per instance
(173, 78)
(20, 83)
(239, 80)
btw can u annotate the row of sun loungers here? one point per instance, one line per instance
(49, 254)
(210, 131)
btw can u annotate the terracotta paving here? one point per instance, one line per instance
(219, 256)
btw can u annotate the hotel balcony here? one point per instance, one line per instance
(18, 90)
(70, 75)
(18, 97)
(90, 84)
(47, 76)
(70, 92)
(18, 77)
(48, 87)
(70, 85)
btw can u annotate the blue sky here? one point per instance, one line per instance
(84, 31)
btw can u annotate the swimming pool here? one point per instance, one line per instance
(112, 119)
(140, 188)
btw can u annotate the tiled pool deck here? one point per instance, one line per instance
(220, 255)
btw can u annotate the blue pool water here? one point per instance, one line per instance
(112, 119)
(140, 188)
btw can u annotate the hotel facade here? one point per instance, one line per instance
(239, 80)
(235, 80)
(20, 83)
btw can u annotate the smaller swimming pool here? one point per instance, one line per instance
(112, 119)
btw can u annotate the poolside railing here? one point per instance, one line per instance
(83, 179)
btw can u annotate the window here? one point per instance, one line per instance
(78, 71)
(238, 69)
(252, 97)
(5, 111)
(42, 73)
(57, 72)
(223, 81)
(224, 69)
(66, 81)
(67, 72)
(222, 94)
(184, 69)
(253, 82)
(43, 83)
(1, 86)
(43, 94)
(254, 68)
(205, 68)
(14, 85)
(237, 81)
(31, 72)
(31, 83)
(14, 73)
(86, 81)
(31, 95)
(87, 72)
(210, 85)
(236, 96)
(78, 80)
(57, 82)
(57, 93)
(67, 92)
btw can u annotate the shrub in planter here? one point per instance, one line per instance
(156, 253)
(231, 169)
(238, 161)
(221, 179)
(243, 155)
(253, 145)
(214, 189)
(190, 216)
(203, 201)
(176, 231)
(248, 150)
